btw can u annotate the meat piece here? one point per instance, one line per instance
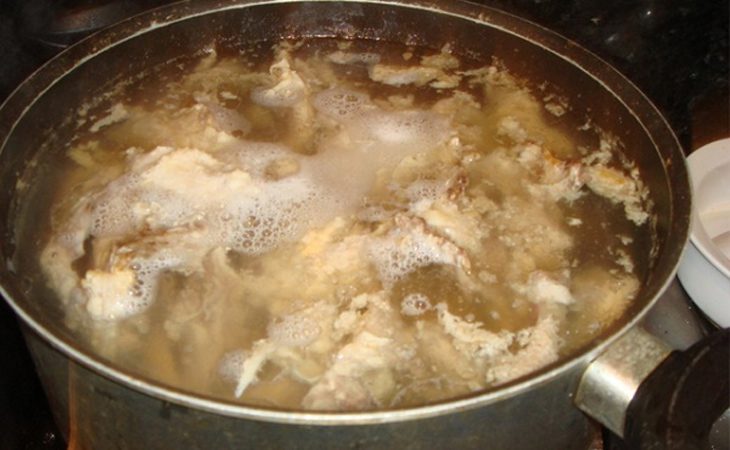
(127, 282)
(531, 235)
(344, 58)
(554, 179)
(510, 127)
(166, 213)
(57, 261)
(252, 364)
(360, 377)
(444, 363)
(288, 90)
(470, 338)
(537, 347)
(616, 186)
(602, 295)
(409, 246)
(493, 354)
(435, 70)
(461, 225)
(542, 288)
(205, 299)
(298, 342)
(117, 113)
(195, 126)
(110, 294)
(171, 172)
(418, 76)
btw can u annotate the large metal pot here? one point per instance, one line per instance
(99, 405)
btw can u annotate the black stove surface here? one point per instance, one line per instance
(676, 51)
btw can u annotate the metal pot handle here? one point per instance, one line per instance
(655, 398)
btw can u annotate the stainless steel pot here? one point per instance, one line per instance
(99, 405)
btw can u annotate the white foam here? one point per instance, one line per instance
(228, 199)
(392, 135)
(342, 104)
(403, 127)
(429, 190)
(204, 202)
(255, 157)
(406, 249)
(146, 276)
(230, 367)
(370, 139)
(374, 213)
(112, 214)
(293, 330)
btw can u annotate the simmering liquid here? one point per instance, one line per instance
(333, 225)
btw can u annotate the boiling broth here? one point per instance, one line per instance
(341, 225)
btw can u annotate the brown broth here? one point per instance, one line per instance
(467, 215)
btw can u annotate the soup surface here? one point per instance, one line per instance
(332, 225)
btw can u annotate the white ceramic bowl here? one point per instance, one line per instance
(705, 267)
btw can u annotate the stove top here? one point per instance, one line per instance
(675, 51)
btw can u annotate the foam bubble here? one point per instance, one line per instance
(110, 212)
(374, 214)
(281, 212)
(425, 190)
(394, 260)
(406, 249)
(415, 304)
(403, 132)
(250, 224)
(227, 198)
(230, 198)
(230, 367)
(147, 272)
(294, 330)
(342, 104)
(255, 157)
(403, 126)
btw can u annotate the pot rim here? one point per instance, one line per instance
(19, 102)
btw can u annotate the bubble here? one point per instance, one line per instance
(415, 304)
(403, 126)
(404, 250)
(293, 330)
(231, 365)
(425, 190)
(342, 104)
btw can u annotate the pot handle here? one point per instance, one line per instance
(655, 398)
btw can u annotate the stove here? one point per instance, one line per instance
(675, 51)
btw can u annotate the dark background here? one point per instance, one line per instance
(676, 51)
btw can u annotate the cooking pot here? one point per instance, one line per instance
(100, 405)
